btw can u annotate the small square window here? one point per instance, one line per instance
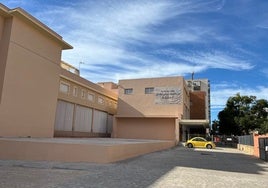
(128, 91)
(149, 90)
(90, 97)
(100, 100)
(64, 87)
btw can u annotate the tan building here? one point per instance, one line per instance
(151, 108)
(159, 108)
(38, 96)
(84, 109)
(199, 122)
(42, 97)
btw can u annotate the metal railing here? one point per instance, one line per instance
(246, 140)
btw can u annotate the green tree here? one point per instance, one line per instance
(215, 127)
(242, 114)
(263, 128)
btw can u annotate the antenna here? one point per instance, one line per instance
(81, 62)
(193, 75)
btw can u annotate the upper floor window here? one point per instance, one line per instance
(90, 97)
(128, 91)
(75, 91)
(83, 94)
(64, 87)
(100, 100)
(149, 90)
(197, 85)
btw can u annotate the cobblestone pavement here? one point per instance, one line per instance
(176, 167)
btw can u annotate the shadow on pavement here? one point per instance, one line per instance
(142, 171)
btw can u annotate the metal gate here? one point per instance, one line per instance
(263, 147)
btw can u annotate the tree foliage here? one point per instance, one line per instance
(243, 114)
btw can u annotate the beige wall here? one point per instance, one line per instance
(141, 115)
(77, 150)
(31, 79)
(5, 31)
(140, 104)
(30, 39)
(109, 85)
(145, 128)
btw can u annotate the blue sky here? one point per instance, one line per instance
(225, 41)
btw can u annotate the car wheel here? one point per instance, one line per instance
(190, 145)
(209, 146)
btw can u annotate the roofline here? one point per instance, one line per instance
(30, 19)
(147, 116)
(150, 78)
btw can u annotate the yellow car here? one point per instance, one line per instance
(200, 142)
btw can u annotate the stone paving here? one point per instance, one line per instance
(176, 167)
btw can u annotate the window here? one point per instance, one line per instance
(90, 97)
(100, 100)
(75, 91)
(64, 87)
(83, 94)
(197, 85)
(128, 91)
(199, 139)
(149, 90)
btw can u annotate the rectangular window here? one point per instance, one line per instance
(149, 90)
(90, 97)
(128, 91)
(83, 94)
(64, 87)
(75, 91)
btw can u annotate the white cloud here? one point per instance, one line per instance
(125, 33)
(221, 92)
(107, 32)
(265, 72)
(216, 59)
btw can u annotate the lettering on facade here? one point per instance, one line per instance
(167, 95)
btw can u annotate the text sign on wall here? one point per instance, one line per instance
(167, 95)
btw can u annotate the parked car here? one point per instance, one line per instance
(200, 142)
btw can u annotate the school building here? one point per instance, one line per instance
(168, 108)
(45, 105)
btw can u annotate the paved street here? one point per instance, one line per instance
(176, 167)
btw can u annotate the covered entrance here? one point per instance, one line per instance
(193, 128)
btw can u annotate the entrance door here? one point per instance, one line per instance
(263, 147)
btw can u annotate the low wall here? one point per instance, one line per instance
(246, 148)
(78, 150)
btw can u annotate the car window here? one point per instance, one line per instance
(199, 139)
